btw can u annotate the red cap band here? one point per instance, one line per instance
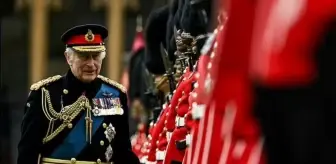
(85, 40)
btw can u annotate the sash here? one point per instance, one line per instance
(75, 141)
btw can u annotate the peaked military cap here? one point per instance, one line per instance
(86, 38)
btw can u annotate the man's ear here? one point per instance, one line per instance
(68, 58)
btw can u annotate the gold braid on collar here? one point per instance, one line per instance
(38, 85)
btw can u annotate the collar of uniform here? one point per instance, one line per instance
(72, 84)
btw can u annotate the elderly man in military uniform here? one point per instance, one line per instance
(80, 117)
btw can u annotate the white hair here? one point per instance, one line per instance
(70, 53)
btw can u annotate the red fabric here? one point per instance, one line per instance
(139, 146)
(170, 125)
(229, 118)
(138, 43)
(163, 141)
(182, 109)
(172, 153)
(284, 42)
(157, 129)
(81, 40)
(200, 99)
(202, 72)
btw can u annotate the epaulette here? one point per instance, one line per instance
(114, 83)
(44, 82)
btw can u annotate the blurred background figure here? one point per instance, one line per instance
(135, 82)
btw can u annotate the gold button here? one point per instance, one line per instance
(70, 125)
(102, 143)
(98, 161)
(212, 55)
(73, 160)
(65, 91)
(104, 125)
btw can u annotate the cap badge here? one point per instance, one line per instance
(89, 36)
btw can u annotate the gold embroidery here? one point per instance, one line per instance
(38, 85)
(96, 48)
(67, 114)
(109, 81)
(89, 36)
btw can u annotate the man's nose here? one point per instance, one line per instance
(90, 61)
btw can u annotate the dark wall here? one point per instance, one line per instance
(6, 7)
(4, 126)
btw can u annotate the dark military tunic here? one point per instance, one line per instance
(72, 142)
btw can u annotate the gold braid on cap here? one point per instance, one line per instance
(38, 85)
(111, 82)
(94, 48)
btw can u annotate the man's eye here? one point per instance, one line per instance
(95, 56)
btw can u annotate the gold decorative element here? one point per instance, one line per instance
(88, 125)
(89, 36)
(97, 48)
(73, 160)
(102, 143)
(67, 114)
(70, 125)
(65, 91)
(62, 161)
(39, 158)
(38, 85)
(162, 84)
(111, 82)
(104, 125)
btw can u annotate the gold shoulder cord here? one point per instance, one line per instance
(67, 115)
(111, 82)
(38, 85)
